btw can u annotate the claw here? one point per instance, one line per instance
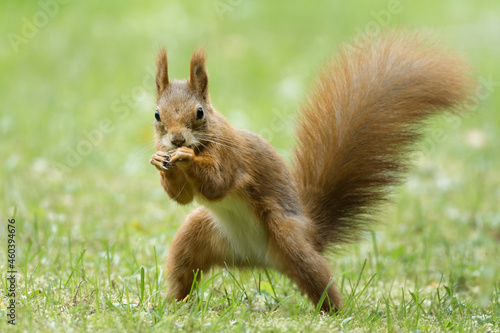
(167, 166)
(166, 163)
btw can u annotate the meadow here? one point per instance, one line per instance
(93, 225)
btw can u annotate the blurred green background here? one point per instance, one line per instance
(77, 105)
(69, 66)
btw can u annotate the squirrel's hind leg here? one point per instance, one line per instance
(297, 258)
(197, 246)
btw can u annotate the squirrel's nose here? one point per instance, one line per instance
(178, 142)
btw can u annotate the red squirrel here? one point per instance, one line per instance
(354, 135)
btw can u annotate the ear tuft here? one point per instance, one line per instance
(198, 77)
(161, 72)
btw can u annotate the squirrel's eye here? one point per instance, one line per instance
(199, 114)
(157, 115)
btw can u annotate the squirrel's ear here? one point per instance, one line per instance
(161, 72)
(198, 77)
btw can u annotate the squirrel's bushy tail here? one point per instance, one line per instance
(360, 122)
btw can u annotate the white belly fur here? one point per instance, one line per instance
(235, 220)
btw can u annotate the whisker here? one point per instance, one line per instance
(146, 144)
(182, 189)
(141, 150)
(201, 143)
(146, 139)
(215, 136)
(148, 123)
(224, 145)
(218, 139)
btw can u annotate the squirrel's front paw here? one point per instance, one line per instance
(182, 156)
(162, 161)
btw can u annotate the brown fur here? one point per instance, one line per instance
(354, 136)
(360, 122)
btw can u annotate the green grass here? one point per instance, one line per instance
(93, 230)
